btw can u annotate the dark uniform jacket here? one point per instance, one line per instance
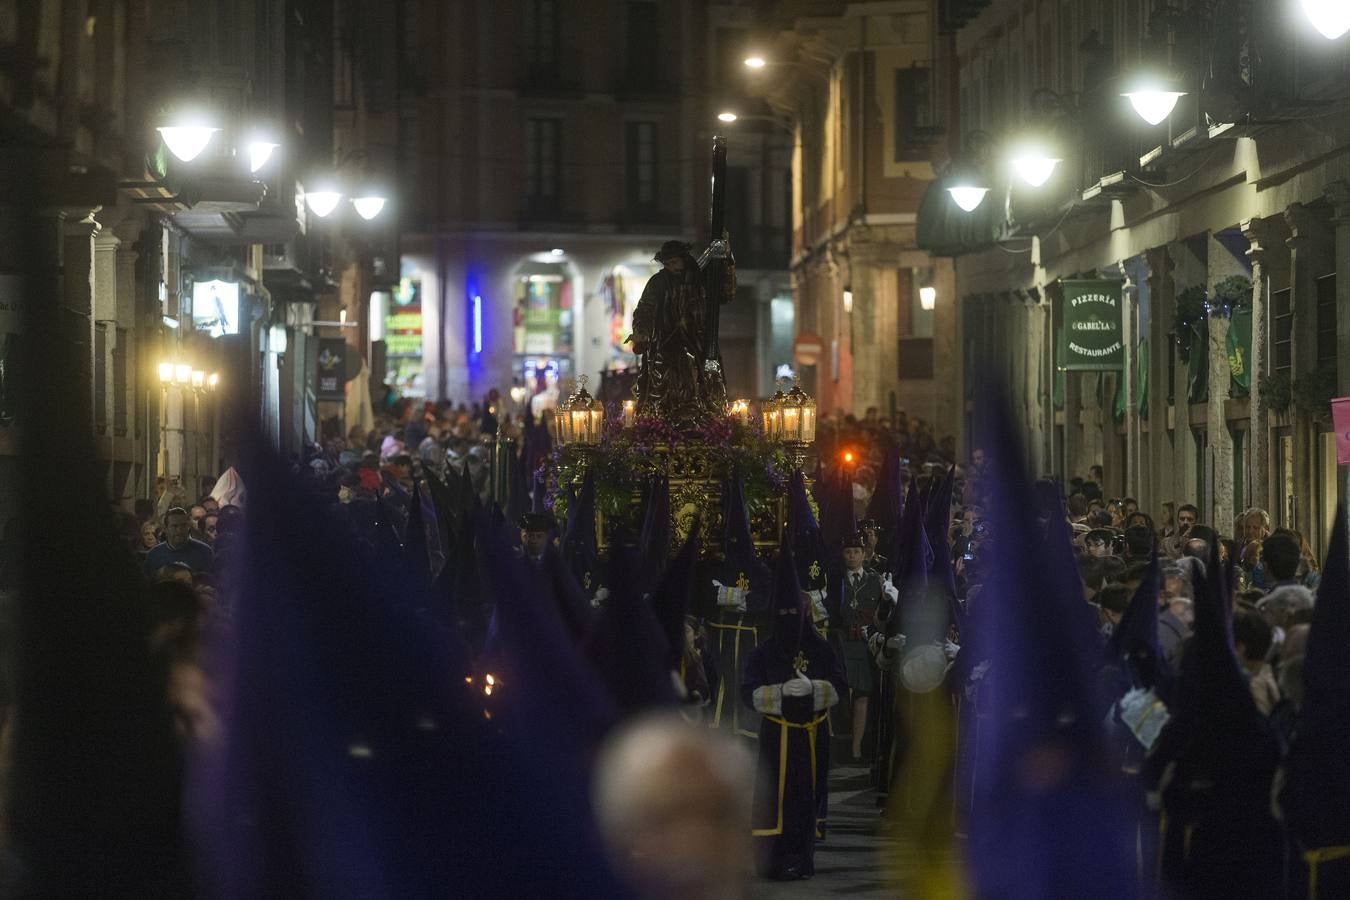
(859, 596)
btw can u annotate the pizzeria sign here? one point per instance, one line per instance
(1090, 334)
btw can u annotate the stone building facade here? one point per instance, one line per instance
(130, 232)
(1247, 177)
(548, 149)
(857, 83)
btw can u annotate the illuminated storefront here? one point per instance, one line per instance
(543, 324)
(621, 291)
(403, 338)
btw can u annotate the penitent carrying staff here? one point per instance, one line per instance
(675, 324)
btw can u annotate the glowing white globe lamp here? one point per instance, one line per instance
(1153, 102)
(321, 203)
(368, 207)
(259, 152)
(1330, 17)
(186, 141)
(1035, 168)
(968, 196)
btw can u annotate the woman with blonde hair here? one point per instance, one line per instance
(1117, 510)
(1254, 525)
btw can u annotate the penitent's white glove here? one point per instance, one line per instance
(730, 597)
(889, 589)
(896, 643)
(951, 650)
(601, 595)
(797, 686)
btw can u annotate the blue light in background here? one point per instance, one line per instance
(477, 323)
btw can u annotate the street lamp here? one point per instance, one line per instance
(966, 183)
(1330, 17)
(728, 116)
(755, 62)
(198, 380)
(321, 203)
(1153, 98)
(369, 206)
(968, 194)
(182, 374)
(212, 381)
(1034, 165)
(165, 373)
(186, 141)
(259, 152)
(927, 297)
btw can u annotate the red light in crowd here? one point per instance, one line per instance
(848, 457)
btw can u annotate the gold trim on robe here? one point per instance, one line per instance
(783, 726)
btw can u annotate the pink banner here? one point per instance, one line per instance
(1340, 418)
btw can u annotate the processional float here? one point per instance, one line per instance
(626, 445)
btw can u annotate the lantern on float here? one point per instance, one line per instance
(579, 419)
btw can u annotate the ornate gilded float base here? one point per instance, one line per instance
(696, 470)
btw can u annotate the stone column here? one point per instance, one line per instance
(1162, 469)
(1339, 194)
(867, 271)
(955, 361)
(947, 399)
(1260, 236)
(1137, 464)
(125, 338)
(1220, 264)
(1038, 391)
(126, 314)
(1190, 268)
(1303, 251)
(1088, 423)
(78, 304)
(105, 314)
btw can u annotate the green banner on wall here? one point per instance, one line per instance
(1240, 351)
(1090, 338)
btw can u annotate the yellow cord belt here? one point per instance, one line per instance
(783, 726)
(736, 664)
(1319, 855)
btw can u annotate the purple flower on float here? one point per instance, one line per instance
(717, 432)
(612, 430)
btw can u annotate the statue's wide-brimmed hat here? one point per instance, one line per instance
(671, 250)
